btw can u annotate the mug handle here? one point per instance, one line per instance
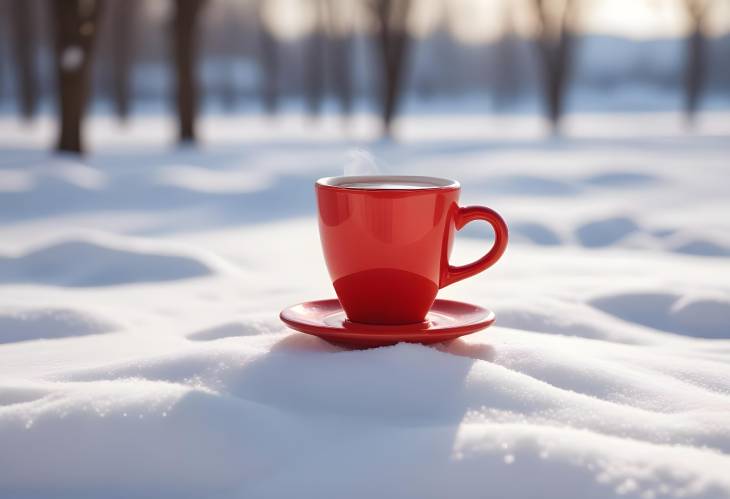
(463, 216)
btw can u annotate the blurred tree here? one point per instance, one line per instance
(123, 15)
(75, 24)
(695, 57)
(314, 67)
(507, 80)
(340, 42)
(393, 39)
(185, 49)
(228, 31)
(269, 62)
(3, 56)
(4, 14)
(23, 46)
(555, 43)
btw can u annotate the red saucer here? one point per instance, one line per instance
(445, 321)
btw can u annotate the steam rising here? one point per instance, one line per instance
(360, 162)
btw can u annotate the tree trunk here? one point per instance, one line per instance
(4, 56)
(393, 41)
(23, 46)
(269, 62)
(695, 73)
(227, 86)
(695, 64)
(122, 41)
(339, 41)
(342, 56)
(314, 67)
(225, 78)
(556, 54)
(75, 23)
(185, 35)
(506, 81)
(562, 63)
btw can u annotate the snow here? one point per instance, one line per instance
(141, 352)
(71, 58)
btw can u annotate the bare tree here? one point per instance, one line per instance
(269, 62)
(76, 24)
(695, 57)
(393, 39)
(226, 80)
(185, 48)
(4, 14)
(314, 67)
(506, 79)
(123, 15)
(555, 44)
(339, 34)
(23, 46)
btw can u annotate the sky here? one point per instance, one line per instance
(479, 20)
(476, 21)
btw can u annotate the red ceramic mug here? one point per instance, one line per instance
(387, 240)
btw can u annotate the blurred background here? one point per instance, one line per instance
(385, 58)
(157, 212)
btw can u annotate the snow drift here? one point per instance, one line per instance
(141, 353)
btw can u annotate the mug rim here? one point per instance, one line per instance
(437, 183)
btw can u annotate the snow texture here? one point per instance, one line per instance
(71, 58)
(141, 354)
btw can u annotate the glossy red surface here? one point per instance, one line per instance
(387, 250)
(445, 321)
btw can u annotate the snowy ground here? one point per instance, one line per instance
(141, 354)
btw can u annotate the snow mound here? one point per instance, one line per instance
(561, 321)
(482, 413)
(607, 373)
(23, 324)
(702, 247)
(22, 392)
(199, 179)
(89, 263)
(534, 232)
(530, 185)
(599, 233)
(61, 173)
(621, 179)
(701, 317)
(233, 329)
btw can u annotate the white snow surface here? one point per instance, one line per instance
(141, 354)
